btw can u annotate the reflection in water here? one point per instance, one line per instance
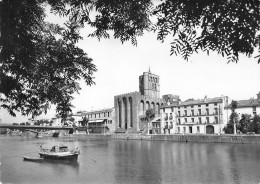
(60, 167)
(121, 161)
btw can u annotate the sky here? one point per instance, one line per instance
(120, 65)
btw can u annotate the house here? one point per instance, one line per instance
(249, 106)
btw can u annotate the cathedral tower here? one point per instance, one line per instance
(149, 84)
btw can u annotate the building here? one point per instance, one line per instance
(130, 108)
(100, 121)
(194, 116)
(56, 122)
(250, 106)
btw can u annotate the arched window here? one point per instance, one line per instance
(141, 108)
(147, 105)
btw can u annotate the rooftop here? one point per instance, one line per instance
(195, 102)
(246, 103)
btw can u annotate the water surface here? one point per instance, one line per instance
(132, 161)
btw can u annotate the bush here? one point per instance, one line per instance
(229, 129)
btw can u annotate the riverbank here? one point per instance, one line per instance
(233, 139)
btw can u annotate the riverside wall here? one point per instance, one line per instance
(233, 139)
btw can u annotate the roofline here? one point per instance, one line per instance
(239, 107)
(180, 105)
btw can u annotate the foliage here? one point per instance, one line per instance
(229, 129)
(71, 119)
(63, 109)
(43, 121)
(244, 125)
(85, 121)
(126, 19)
(224, 26)
(40, 62)
(227, 27)
(256, 123)
(150, 114)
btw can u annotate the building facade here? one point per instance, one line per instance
(130, 108)
(250, 106)
(204, 116)
(100, 121)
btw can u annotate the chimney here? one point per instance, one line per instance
(258, 96)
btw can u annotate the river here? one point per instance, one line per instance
(132, 161)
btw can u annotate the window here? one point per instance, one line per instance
(178, 129)
(192, 106)
(216, 119)
(199, 105)
(95, 115)
(179, 120)
(199, 111)
(198, 129)
(254, 109)
(216, 110)
(215, 104)
(179, 113)
(104, 114)
(192, 112)
(178, 107)
(207, 105)
(200, 120)
(185, 112)
(185, 107)
(172, 109)
(184, 129)
(99, 115)
(192, 119)
(107, 114)
(171, 116)
(207, 111)
(185, 120)
(207, 118)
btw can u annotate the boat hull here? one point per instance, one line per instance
(59, 157)
(32, 159)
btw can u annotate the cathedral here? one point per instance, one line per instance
(130, 108)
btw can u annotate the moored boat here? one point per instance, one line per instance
(33, 159)
(59, 152)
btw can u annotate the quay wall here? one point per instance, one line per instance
(234, 139)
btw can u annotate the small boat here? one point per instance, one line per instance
(33, 159)
(59, 152)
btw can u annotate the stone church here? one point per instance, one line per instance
(130, 108)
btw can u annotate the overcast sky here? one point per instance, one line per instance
(120, 65)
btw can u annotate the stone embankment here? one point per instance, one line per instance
(235, 139)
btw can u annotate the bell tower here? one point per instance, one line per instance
(149, 84)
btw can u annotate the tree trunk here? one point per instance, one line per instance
(235, 128)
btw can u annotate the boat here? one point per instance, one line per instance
(33, 159)
(59, 152)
